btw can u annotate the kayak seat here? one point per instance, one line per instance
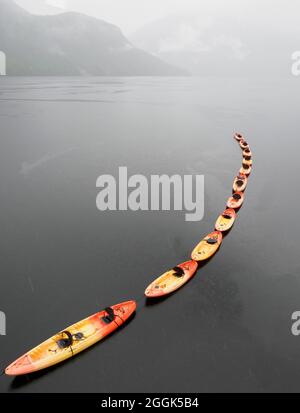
(212, 241)
(110, 317)
(237, 197)
(178, 272)
(65, 342)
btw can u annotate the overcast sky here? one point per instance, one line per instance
(130, 15)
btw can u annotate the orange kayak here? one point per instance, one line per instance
(226, 220)
(247, 152)
(246, 169)
(72, 340)
(208, 246)
(172, 280)
(247, 161)
(236, 200)
(244, 145)
(238, 137)
(240, 183)
(247, 158)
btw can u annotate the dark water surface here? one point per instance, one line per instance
(61, 259)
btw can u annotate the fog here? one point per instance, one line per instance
(208, 37)
(131, 15)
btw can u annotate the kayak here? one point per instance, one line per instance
(72, 340)
(240, 183)
(247, 152)
(244, 144)
(238, 137)
(226, 220)
(172, 280)
(208, 246)
(247, 157)
(247, 161)
(236, 200)
(246, 169)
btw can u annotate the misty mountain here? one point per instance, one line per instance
(71, 44)
(38, 7)
(222, 45)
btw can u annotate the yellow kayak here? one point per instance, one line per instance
(72, 340)
(246, 169)
(208, 246)
(172, 280)
(226, 220)
(240, 183)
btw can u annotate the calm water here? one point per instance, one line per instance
(229, 329)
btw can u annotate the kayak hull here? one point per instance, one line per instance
(238, 137)
(170, 281)
(246, 153)
(205, 250)
(246, 170)
(236, 203)
(89, 331)
(226, 220)
(244, 145)
(240, 183)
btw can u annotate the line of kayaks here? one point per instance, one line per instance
(175, 278)
(91, 330)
